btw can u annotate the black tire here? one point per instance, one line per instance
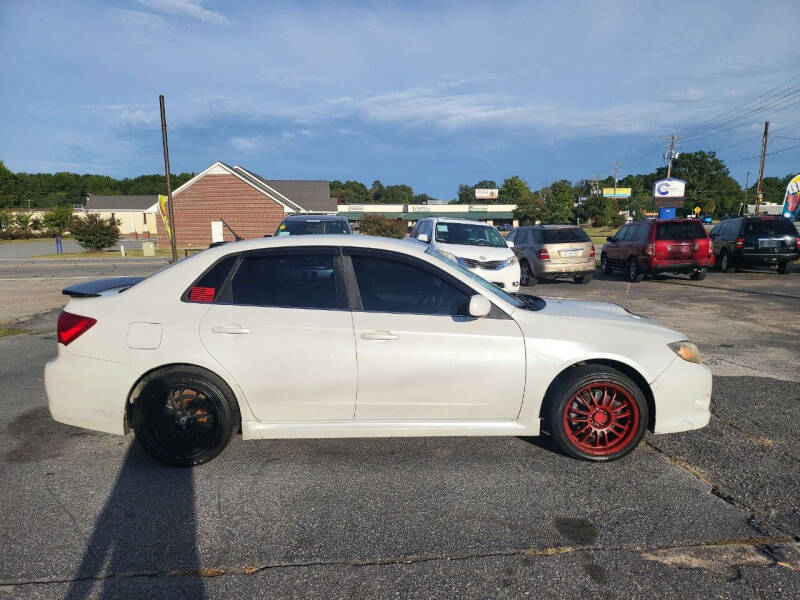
(724, 262)
(605, 266)
(785, 268)
(698, 275)
(633, 272)
(583, 279)
(559, 419)
(185, 416)
(526, 276)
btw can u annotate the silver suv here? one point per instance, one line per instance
(553, 251)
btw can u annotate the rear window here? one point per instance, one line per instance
(561, 236)
(208, 286)
(680, 230)
(312, 226)
(770, 227)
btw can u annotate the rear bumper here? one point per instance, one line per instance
(88, 392)
(555, 269)
(765, 259)
(679, 266)
(682, 395)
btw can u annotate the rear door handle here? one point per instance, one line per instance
(234, 329)
(380, 334)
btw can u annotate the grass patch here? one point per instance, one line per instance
(160, 253)
(5, 332)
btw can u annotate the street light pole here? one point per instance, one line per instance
(170, 209)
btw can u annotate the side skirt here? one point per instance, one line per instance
(252, 430)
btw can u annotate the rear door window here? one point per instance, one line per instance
(680, 230)
(565, 236)
(622, 234)
(291, 281)
(207, 288)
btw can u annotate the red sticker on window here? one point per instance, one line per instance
(201, 294)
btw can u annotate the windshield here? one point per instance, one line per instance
(560, 236)
(311, 226)
(489, 287)
(680, 230)
(469, 234)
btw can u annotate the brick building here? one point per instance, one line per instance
(247, 205)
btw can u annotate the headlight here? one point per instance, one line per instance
(509, 261)
(449, 255)
(686, 350)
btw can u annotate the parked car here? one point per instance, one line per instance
(553, 251)
(313, 224)
(659, 246)
(474, 245)
(360, 336)
(766, 241)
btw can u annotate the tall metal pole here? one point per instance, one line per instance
(760, 192)
(743, 209)
(170, 210)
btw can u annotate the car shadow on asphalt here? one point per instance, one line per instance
(147, 528)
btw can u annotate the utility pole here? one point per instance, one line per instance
(170, 210)
(760, 192)
(616, 168)
(671, 154)
(743, 209)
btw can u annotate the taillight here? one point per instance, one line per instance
(710, 248)
(740, 243)
(650, 249)
(798, 243)
(71, 327)
(591, 252)
(543, 254)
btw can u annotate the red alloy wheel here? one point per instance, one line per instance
(601, 418)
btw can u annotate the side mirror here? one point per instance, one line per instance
(610, 238)
(423, 237)
(479, 306)
(509, 243)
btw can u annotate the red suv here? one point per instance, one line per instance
(659, 246)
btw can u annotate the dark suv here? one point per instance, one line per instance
(659, 246)
(756, 241)
(311, 224)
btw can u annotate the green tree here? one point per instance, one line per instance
(22, 221)
(466, 193)
(530, 210)
(351, 192)
(398, 194)
(559, 200)
(58, 218)
(93, 232)
(377, 192)
(514, 190)
(382, 226)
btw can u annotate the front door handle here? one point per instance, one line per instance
(380, 334)
(234, 329)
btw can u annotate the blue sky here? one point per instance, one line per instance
(432, 94)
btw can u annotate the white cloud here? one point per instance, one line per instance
(187, 8)
(136, 18)
(245, 144)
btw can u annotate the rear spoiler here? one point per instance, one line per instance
(91, 289)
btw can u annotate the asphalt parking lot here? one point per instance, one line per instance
(709, 513)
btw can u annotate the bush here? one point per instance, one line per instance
(93, 232)
(382, 226)
(58, 218)
(5, 220)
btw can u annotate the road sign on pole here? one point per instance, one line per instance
(696, 210)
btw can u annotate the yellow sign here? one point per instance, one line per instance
(162, 209)
(697, 210)
(621, 192)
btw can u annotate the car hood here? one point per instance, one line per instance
(610, 316)
(481, 253)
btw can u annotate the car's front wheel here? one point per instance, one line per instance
(596, 413)
(605, 266)
(185, 416)
(724, 262)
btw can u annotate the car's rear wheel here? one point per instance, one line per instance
(605, 266)
(724, 262)
(785, 267)
(634, 275)
(526, 276)
(596, 413)
(185, 417)
(585, 278)
(698, 274)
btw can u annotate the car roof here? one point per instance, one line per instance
(296, 241)
(454, 220)
(305, 217)
(557, 226)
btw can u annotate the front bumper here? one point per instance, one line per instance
(682, 395)
(506, 278)
(88, 392)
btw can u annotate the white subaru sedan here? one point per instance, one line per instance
(358, 336)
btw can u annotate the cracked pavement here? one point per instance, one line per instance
(714, 512)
